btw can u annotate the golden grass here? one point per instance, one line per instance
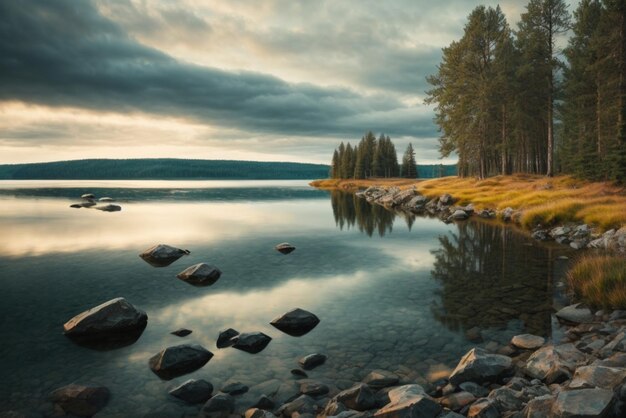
(542, 200)
(600, 281)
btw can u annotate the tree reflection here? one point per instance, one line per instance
(350, 211)
(490, 276)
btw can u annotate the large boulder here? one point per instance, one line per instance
(251, 342)
(162, 255)
(113, 321)
(583, 403)
(296, 322)
(577, 313)
(285, 248)
(311, 361)
(538, 407)
(527, 341)
(201, 274)
(598, 376)
(179, 360)
(552, 358)
(221, 405)
(193, 391)
(80, 400)
(359, 397)
(479, 366)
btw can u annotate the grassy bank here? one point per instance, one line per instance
(546, 201)
(599, 281)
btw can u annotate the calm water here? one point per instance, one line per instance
(392, 292)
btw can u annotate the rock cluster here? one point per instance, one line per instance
(88, 200)
(580, 236)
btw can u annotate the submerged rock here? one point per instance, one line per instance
(115, 321)
(296, 323)
(162, 255)
(219, 406)
(528, 341)
(235, 388)
(80, 400)
(359, 397)
(378, 379)
(313, 388)
(181, 332)
(76, 205)
(106, 199)
(201, 274)
(312, 361)
(285, 248)
(193, 391)
(88, 196)
(299, 373)
(108, 208)
(480, 366)
(179, 360)
(225, 339)
(253, 342)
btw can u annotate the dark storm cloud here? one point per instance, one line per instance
(64, 53)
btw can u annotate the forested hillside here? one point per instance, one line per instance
(162, 168)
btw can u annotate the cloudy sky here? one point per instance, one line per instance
(279, 80)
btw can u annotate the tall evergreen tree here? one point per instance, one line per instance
(409, 166)
(335, 165)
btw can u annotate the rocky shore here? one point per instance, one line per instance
(577, 236)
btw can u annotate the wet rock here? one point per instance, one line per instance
(76, 205)
(226, 338)
(507, 399)
(538, 407)
(528, 341)
(193, 391)
(459, 215)
(80, 400)
(551, 358)
(479, 366)
(299, 373)
(88, 196)
(474, 388)
(618, 343)
(507, 214)
(285, 248)
(235, 388)
(111, 322)
(106, 199)
(598, 376)
(583, 403)
(179, 360)
(422, 406)
(313, 388)
(108, 208)
(540, 235)
(162, 255)
(483, 408)
(296, 323)
(219, 406)
(201, 274)
(251, 342)
(264, 403)
(359, 397)
(458, 400)
(312, 361)
(258, 413)
(446, 199)
(181, 332)
(378, 379)
(302, 404)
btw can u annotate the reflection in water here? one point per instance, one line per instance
(350, 210)
(489, 277)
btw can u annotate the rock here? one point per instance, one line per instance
(559, 231)
(577, 313)
(483, 408)
(258, 413)
(378, 379)
(225, 339)
(76, 205)
(618, 343)
(312, 361)
(181, 332)
(299, 373)
(313, 388)
(446, 199)
(538, 407)
(201, 274)
(506, 399)
(458, 400)
(616, 360)
(578, 244)
(179, 360)
(528, 341)
(550, 358)
(486, 214)
(479, 366)
(264, 403)
(507, 214)
(404, 392)
(219, 406)
(583, 403)
(235, 388)
(252, 342)
(108, 208)
(459, 215)
(106, 199)
(359, 397)
(540, 235)
(162, 255)
(296, 322)
(302, 404)
(111, 322)
(474, 388)
(88, 196)
(419, 406)
(80, 400)
(285, 248)
(193, 391)
(450, 414)
(598, 376)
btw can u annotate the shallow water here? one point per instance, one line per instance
(392, 292)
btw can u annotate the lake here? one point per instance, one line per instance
(394, 292)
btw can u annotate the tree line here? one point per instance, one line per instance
(372, 157)
(507, 102)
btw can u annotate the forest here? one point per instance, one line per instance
(528, 100)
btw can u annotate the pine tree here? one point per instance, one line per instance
(409, 166)
(334, 166)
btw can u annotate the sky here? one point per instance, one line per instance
(269, 80)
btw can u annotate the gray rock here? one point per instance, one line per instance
(577, 313)
(618, 343)
(539, 407)
(264, 402)
(359, 397)
(598, 376)
(299, 373)
(474, 388)
(296, 322)
(302, 404)
(285, 248)
(162, 255)
(201, 274)
(578, 244)
(550, 358)
(226, 338)
(235, 388)
(88, 196)
(507, 214)
(459, 215)
(456, 401)
(80, 400)
(446, 199)
(181, 332)
(106, 199)
(251, 342)
(528, 341)
(108, 208)
(450, 414)
(583, 403)
(219, 406)
(540, 235)
(419, 406)
(507, 399)
(312, 361)
(193, 391)
(258, 413)
(479, 366)
(378, 379)
(483, 408)
(179, 360)
(313, 388)
(104, 321)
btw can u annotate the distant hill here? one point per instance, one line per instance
(429, 171)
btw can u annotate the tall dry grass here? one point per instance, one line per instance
(600, 281)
